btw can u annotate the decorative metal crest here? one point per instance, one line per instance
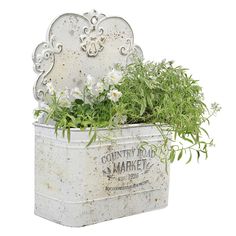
(92, 41)
(78, 45)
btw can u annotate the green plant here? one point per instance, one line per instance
(143, 92)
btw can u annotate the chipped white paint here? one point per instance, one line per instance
(77, 186)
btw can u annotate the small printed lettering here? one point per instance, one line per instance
(126, 165)
(127, 187)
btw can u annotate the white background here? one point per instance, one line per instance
(200, 35)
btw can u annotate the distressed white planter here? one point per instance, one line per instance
(77, 185)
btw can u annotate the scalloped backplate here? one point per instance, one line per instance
(79, 45)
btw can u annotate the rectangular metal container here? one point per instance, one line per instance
(77, 185)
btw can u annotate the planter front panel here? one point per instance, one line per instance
(78, 185)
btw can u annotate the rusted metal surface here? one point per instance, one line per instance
(78, 185)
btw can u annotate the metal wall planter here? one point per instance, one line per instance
(77, 185)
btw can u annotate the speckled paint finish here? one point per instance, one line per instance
(80, 45)
(77, 185)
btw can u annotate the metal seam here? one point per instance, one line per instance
(98, 199)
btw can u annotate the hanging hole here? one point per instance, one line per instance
(94, 20)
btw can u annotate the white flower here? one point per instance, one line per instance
(91, 86)
(76, 93)
(50, 88)
(113, 77)
(114, 95)
(152, 78)
(99, 87)
(120, 119)
(94, 88)
(64, 101)
(90, 81)
(215, 107)
(64, 98)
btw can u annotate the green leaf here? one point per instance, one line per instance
(172, 155)
(63, 132)
(72, 125)
(142, 110)
(56, 129)
(198, 155)
(68, 134)
(204, 131)
(180, 155)
(187, 139)
(149, 101)
(190, 158)
(93, 139)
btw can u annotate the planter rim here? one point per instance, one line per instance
(36, 124)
